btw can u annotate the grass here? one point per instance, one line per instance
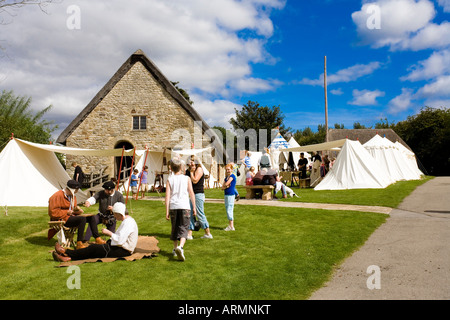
(275, 253)
(387, 197)
(390, 196)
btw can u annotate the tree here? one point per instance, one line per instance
(384, 124)
(17, 118)
(307, 136)
(428, 135)
(252, 118)
(183, 92)
(357, 125)
(224, 133)
(8, 6)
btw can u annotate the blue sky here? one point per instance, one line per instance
(306, 31)
(385, 58)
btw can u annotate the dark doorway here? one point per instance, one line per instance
(126, 161)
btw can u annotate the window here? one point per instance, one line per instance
(139, 123)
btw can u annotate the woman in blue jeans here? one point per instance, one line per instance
(229, 189)
(195, 172)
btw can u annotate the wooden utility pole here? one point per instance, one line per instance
(326, 101)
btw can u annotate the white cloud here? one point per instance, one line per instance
(431, 36)
(337, 92)
(404, 24)
(197, 42)
(436, 89)
(217, 112)
(365, 97)
(254, 85)
(401, 102)
(437, 64)
(437, 103)
(345, 75)
(445, 4)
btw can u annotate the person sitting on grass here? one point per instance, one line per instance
(122, 242)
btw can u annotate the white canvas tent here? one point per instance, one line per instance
(385, 156)
(354, 168)
(332, 145)
(277, 157)
(390, 159)
(410, 159)
(278, 143)
(31, 172)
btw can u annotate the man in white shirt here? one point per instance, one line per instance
(122, 242)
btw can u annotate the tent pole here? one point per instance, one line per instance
(140, 178)
(129, 180)
(120, 169)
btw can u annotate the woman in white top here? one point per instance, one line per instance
(178, 210)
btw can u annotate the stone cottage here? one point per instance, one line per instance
(138, 107)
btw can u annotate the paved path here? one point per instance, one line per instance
(411, 249)
(287, 204)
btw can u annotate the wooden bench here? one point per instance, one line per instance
(304, 183)
(266, 192)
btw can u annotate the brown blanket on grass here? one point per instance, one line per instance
(146, 247)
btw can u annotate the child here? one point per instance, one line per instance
(134, 183)
(144, 181)
(249, 176)
(236, 172)
(178, 210)
(229, 189)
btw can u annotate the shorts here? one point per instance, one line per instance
(134, 190)
(144, 187)
(180, 219)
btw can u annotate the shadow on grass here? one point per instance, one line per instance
(41, 241)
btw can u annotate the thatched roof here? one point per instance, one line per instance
(364, 135)
(139, 56)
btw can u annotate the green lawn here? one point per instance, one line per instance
(388, 197)
(275, 253)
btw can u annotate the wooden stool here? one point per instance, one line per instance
(206, 185)
(68, 232)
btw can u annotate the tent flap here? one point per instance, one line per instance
(318, 147)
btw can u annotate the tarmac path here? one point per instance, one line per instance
(406, 258)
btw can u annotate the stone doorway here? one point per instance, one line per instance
(126, 161)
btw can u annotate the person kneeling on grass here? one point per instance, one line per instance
(122, 242)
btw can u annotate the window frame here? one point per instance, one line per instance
(142, 120)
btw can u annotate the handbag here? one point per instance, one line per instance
(197, 224)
